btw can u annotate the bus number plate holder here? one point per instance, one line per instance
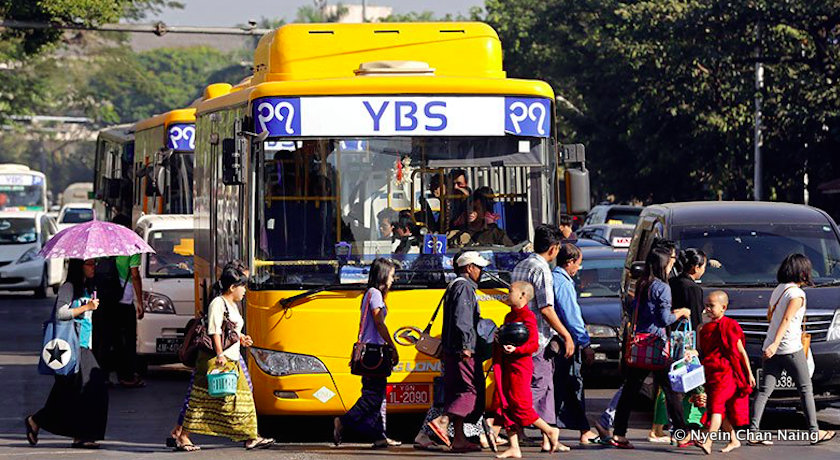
(406, 394)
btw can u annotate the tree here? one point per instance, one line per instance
(663, 90)
(319, 12)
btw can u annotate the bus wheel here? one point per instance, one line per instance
(41, 291)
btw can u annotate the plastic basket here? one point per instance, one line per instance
(686, 377)
(221, 384)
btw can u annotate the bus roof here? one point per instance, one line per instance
(14, 167)
(165, 119)
(326, 59)
(118, 133)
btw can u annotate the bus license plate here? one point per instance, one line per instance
(784, 382)
(403, 394)
(168, 345)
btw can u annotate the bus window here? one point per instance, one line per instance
(383, 196)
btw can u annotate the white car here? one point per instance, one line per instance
(168, 286)
(22, 235)
(75, 213)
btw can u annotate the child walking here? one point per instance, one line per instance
(729, 378)
(513, 368)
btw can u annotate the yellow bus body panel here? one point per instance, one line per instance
(326, 326)
(166, 119)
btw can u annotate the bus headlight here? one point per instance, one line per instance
(834, 329)
(280, 363)
(599, 331)
(157, 303)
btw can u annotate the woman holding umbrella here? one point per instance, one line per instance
(77, 406)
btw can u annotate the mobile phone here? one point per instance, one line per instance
(93, 297)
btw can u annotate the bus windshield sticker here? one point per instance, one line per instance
(18, 179)
(357, 116)
(181, 137)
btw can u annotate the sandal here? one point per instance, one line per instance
(85, 445)
(762, 442)
(620, 444)
(190, 447)
(829, 435)
(31, 433)
(262, 443)
(594, 441)
(385, 443)
(439, 432)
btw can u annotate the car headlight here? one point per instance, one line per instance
(834, 329)
(280, 363)
(28, 256)
(157, 303)
(600, 331)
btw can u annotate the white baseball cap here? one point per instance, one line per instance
(472, 257)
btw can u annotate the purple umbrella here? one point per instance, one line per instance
(94, 239)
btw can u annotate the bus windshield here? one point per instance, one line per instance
(22, 191)
(328, 207)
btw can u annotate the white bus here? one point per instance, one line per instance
(22, 189)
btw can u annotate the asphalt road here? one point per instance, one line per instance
(140, 419)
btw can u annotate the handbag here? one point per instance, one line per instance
(683, 338)
(60, 350)
(645, 350)
(426, 344)
(805, 338)
(197, 339)
(370, 359)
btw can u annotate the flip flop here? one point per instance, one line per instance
(621, 444)
(659, 439)
(828, 437)
(31, 434)
(187, 448)
(439, 432)
(385, 443)
(594, 441)
(263, 443)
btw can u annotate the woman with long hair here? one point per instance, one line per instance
(367, 416)
(653, 302)
(783, 349)
(233, 417)
(77, 406)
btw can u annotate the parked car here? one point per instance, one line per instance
(617, 236)
(168, 286)
(22, 235)
(598, 284)
(749, 240)
(614, 214)
(75, 213)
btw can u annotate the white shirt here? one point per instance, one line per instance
(215, 316)
(792, 340)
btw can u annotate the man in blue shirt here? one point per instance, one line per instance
(569, 399)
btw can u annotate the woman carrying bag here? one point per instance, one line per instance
(367, 416)
(235, 416)
(652, 316)
(786, 346)
(77, 406)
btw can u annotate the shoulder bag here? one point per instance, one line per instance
(646, 350)
(370, 359)
(60, 346)
(806, 337)
(426, 344)
(197, 339)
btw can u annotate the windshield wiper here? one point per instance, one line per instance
(288, 301)
(835, 282)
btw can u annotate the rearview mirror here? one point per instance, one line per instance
(637, 269)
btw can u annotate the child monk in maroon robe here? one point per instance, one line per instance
(513, 368)
(729, 378)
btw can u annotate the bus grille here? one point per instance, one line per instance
(755, 327)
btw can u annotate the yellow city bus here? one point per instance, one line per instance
(163, 163)
(340, 125)
(113, 171)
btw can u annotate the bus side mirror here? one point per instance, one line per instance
(576, 178)
(231, 163)
(637, 269)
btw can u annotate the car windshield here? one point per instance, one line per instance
(17, 230)
(599, 277)
(623, 216)
(751, 254)
(173, 257)
(343, 202)
(77, 216)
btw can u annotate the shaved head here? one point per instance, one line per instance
(720, 297)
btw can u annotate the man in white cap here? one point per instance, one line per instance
(463, 376)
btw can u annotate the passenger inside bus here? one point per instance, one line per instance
(477, 226)
(386, 219)
(407, 239)
(455, 203)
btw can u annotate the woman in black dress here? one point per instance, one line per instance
(685, 291)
